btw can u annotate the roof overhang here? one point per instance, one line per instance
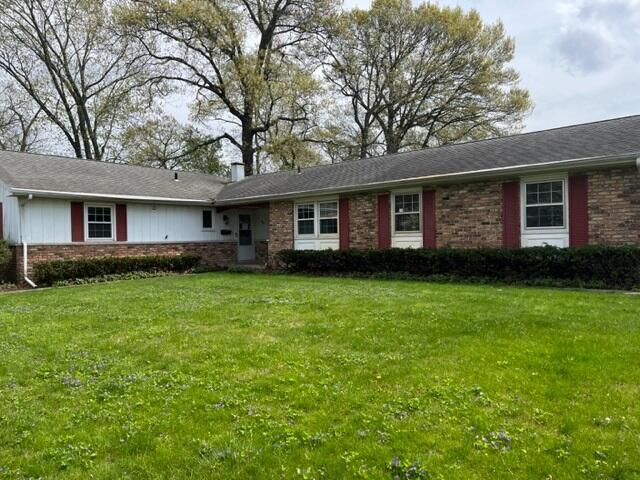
(24, 192)
(610, 161)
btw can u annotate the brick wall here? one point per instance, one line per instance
(280, 227)
(363, 221)
(262, 252)
(614, 207)
(469, 215)
(214, 254)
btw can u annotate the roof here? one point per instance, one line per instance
(608, 138)
(603, 141)
(62, 176)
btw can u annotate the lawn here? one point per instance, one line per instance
(257, 376)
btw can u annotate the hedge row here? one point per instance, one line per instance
(48, 273)
(593, 266)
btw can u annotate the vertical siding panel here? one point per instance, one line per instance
(428, 218)
(77, 222)
(1, 221)
(578, 210)
(343, 219)
(511, 215)
(121, 222)
(384, 221)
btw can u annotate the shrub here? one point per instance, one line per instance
(592, 266)
(5, 253)
(48, 273)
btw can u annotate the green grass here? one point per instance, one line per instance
(257, 376)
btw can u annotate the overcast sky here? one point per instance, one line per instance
(579, 59)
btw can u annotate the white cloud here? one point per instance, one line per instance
(597, 35)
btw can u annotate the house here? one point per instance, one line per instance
(565, 187)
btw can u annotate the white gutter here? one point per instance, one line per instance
(60, 194)
(609, 161)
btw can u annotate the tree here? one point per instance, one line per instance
(66, 56)
(236, 54)
(164, 143)
(422, 76)
(20, 120)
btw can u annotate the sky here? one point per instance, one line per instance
(579, 59)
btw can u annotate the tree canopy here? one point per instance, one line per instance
(416, 77)
(277, 83)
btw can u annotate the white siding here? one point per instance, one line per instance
(317, 244)
(175, 223)
(261, 224)
(11, 214)
(406, 241)
(47, 221)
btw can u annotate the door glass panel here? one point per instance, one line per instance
(244, 233)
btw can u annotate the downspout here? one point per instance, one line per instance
(25, 247)
(25, 261)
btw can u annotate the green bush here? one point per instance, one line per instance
(593, 266)
(48, 273)
(5, 253)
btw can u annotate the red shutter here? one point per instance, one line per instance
(511, 215)
(578, 210)
(77, 222)
(429, 218)
(1, 222)
(121, 222)
(343, 215)
(384, 221)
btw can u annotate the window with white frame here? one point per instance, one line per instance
(306, 219)
(317, 218)
(328, 218)
(406, 212)
(544, 204)
(99, 222)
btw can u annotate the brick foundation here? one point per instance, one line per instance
(614, 207)
(262, 252)
(212, 254)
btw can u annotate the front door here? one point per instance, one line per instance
(246, 247)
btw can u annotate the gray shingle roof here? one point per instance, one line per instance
(61, 174)
(605, 138)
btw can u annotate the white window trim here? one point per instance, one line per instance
(393, 213)
(212, 219)
(316, 219)
(113, 237)
(523, 204)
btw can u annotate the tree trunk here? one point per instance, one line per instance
(392, 141)
(247, 148)
(364, 142)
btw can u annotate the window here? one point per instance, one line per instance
(545, 204)
(207, 219)
(306, 219)
(317, 218)
(99, 223)
(328, 218)
(407, 212)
